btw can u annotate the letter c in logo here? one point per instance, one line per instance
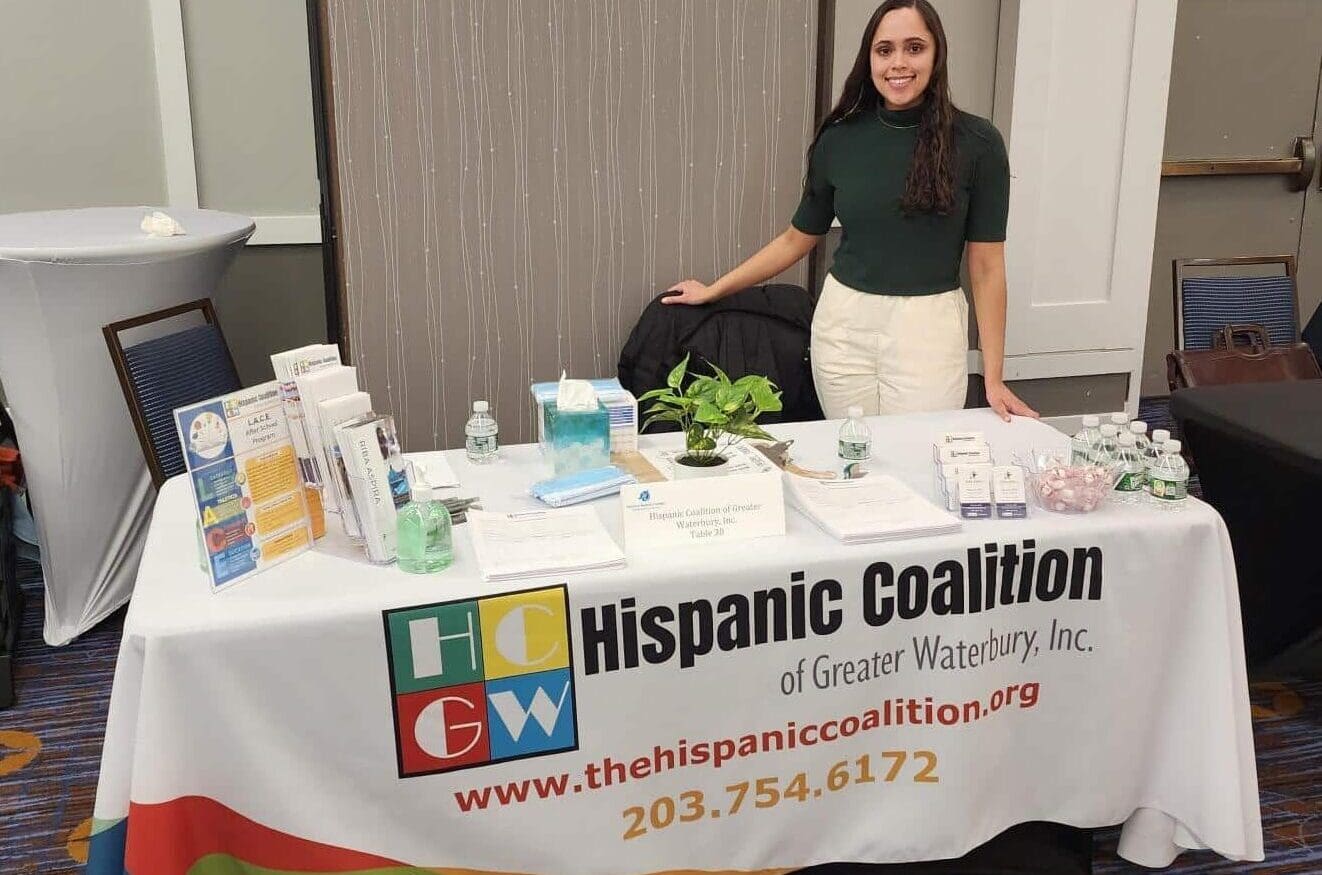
(512, 636)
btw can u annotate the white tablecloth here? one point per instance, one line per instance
(280, 720)
(63, 275)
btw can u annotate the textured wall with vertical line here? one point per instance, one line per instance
(518, 178)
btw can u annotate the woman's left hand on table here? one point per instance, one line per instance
(1006, 403)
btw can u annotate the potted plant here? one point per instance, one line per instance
(713, 412)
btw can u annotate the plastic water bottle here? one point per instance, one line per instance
(1120, 421)
(1139, 429)
(1105, 452)
(1083, 446)
(481, 435)
(425, 536)
(1159, 437)
(1130, 470)
(1169, 478)
(855, 446)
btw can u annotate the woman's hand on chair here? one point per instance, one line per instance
(689, 292)
(1006, 403)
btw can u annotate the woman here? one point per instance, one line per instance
(916, 183)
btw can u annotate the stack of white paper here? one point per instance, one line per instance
(877, 507)
(542, 542)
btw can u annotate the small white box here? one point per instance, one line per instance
(964, 454)
(958, 439)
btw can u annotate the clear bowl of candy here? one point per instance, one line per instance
(1059, 485)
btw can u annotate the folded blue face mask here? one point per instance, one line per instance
(580, 486)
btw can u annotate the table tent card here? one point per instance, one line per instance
(288, 366)
(243, 471)
(313, 388)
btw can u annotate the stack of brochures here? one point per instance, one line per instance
(541, 542)
(580, 486)
(877, 507)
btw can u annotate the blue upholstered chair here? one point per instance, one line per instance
(170, 371)
(1205, 304)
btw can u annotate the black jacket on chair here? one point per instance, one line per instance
(762, 330)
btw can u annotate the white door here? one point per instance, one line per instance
(1086, 121)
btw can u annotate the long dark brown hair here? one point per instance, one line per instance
(930, 186)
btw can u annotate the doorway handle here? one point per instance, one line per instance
(1299, 168)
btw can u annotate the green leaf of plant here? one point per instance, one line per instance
(765, 398)
(676, 377)
(718, 373)
(751, 430)
(662, 417)
(654, 393)
(710, 414)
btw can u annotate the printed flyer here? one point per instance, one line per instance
(245, 480)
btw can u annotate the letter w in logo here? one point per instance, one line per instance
(542, 698)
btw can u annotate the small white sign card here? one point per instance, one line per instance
(732, 507)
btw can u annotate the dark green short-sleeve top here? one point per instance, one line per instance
(857, 172)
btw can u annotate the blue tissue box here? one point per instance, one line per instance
(577, 440)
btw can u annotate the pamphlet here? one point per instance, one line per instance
(288, 366)
(245, 482)
(330, 413)
(378, 484)
(313, 388)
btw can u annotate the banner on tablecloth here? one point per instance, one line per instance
(882, 704)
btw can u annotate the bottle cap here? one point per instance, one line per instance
(1120, 418)
(1109, 430)
(1091, 421)
(1160, 436)
(1138, 426)
(481, 407)
(855, 412)
(1173, 447)
(1125, 440)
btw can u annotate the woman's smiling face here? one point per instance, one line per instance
(903, 55)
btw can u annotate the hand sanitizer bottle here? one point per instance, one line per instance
(425, 537)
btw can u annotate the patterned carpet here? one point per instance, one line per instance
(50, 747)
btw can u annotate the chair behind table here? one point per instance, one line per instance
(170, 371)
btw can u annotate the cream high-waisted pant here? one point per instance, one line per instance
(889, 353)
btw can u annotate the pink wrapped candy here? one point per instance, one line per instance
(1072, 488)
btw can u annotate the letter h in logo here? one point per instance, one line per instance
(481, 681)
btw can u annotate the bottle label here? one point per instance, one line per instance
(1130, 481)
(1169, 490)
(481, 445)
(853, 450)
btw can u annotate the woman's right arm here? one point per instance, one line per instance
(777, 256)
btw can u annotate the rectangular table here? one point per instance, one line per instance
(1258, 448)
(754, 706)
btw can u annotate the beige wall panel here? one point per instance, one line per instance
(517, 180)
